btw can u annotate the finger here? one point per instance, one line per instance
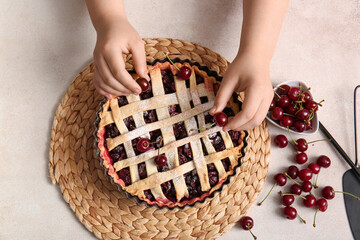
(227, 88)
(117, 66)
(139, 57)
(99, 83)
(96, 85)
(108, 78)
(249, 108)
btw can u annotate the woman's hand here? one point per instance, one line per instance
(249, 74)
(114, 38)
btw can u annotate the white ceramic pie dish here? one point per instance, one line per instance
(315, 120)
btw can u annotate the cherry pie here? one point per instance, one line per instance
(159, 146)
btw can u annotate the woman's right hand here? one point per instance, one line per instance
(114, 38)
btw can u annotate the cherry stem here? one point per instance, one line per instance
(315, 217)
(283, 194)
(248, 225)
(172, 62)
(288, 176)
(259, 204)
(287, 114)
(317, 176)
(301, 219)
(306, 90)
(201, 129)
(277, 94)
(329, 140)
(350, 194)
(291, 136)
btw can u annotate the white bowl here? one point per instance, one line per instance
(315, 120)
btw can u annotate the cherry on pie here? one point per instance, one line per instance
(185, 160)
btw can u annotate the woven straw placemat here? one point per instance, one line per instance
(108, 213)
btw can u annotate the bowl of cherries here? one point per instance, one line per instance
(294, 108)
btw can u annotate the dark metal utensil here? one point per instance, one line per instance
(351, 178)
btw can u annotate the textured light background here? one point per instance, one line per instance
(45, 43)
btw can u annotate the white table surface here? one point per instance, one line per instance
(45, 43)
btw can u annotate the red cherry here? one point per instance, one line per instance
(315, 168)
(292, 171)
(143, 145)
(283, 101)
(305, 174)
(221, 119)
(303, 114)
(299, 126)
(280, 179)
(281, 141)
(272, 105)
(306, 186)
(307, 96)
(322, 204)
(283, 89)
(295, 189)
(277, 113)
(323, 161)
(291, 109)
(328, 192)
(309, 201)
(290, 213)
(301, 145)
(247, 223)
(287, 200)
(301, 158)
(161, 160)
(286, 121)
(184, 73)
(143, 83)
(311, 106)
(294, 93)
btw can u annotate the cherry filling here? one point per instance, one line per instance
(184, 152)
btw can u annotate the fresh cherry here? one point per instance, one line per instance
(294, 93)
(290, 213)
(143, 83)
(161, 160)
(311, 106)
(303, 114)
(306, 186)
(301, 145)
(221, 119)
(277, 113)
(286, 121)
(305, 174)
(296, 189)
(291, 109)
(329, 193)
(281, 141)
(309, 201)
(299, 126)
(314, 167)
(301, 158)
(283, 89)
(322, 204)
(247, 224)
(143, 145)
(292, 171)
(184, 73)
(283, 101)
(287, 200)
(272, 105)
(323, 161)
(280, 179)
(307, 96)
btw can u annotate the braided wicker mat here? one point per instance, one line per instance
(107, 212)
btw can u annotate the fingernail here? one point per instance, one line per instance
(137, 91)
(108, 96)
(225, 128)
(213, 109)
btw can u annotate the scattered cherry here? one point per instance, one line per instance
(329, 193)
(143, 83)
(296, 189)
(287, 200)
(161, 160)
(292, 171)
(221, 119)
(280, 179)
(143, 145)
(290, 213)
(247, 224)
(306, 186)
(309, 201)
(281, 141)
(305, 174)
(323, 161)
(314, 167)
(301, 145)
(184, 73)
(301, 158)
(322, 204)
